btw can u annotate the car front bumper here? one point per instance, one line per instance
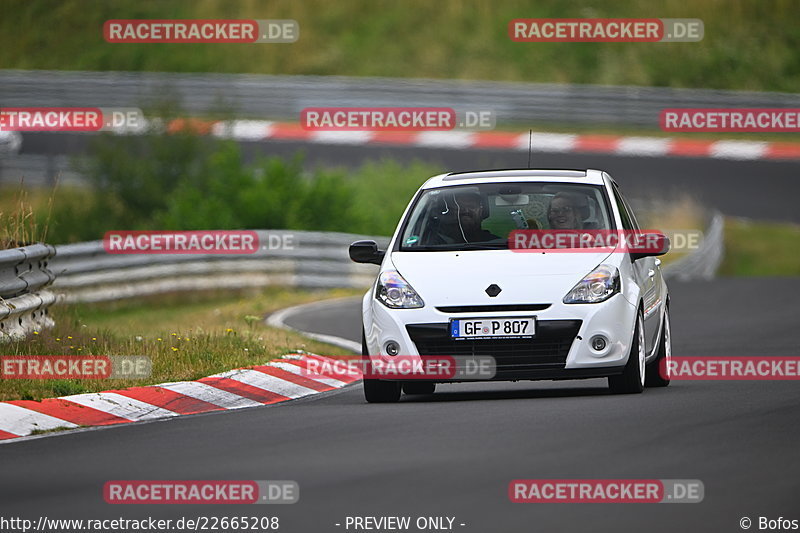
(559, 350)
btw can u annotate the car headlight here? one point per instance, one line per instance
(597, 286)
(395, 293)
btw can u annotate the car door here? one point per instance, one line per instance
(646, 274)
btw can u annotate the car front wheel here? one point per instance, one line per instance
(377, 390)
(654, 377)
(631, 381)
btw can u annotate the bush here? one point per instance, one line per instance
(181, 181)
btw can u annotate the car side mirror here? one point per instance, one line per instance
(651, 244)
(366, 252)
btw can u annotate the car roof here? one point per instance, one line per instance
(587, 176)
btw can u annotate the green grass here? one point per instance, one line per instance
(24, 216)
(761, 249)
(52, 430)
(187, 336)
(748, 44)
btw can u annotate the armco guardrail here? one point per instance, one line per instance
(704, 262)
(86, 273)
(24, 299)
(283, 97)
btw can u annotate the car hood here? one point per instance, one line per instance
(461, 278)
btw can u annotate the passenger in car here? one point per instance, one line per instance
(563, 212)
(461, 219)
(471, 211)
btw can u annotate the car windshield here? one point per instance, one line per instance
(481, 216)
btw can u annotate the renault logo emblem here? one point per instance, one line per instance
(493, 290)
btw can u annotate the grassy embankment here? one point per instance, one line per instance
(186, 336)
(750, 45)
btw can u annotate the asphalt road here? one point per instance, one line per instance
(454, 454)
(755, 189)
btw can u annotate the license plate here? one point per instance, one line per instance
(476, 328)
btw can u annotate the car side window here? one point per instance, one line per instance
(627, 222)
(631, 214)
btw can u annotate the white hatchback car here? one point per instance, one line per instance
(450, 284)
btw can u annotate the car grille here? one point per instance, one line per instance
(492, 308)
(548, 350)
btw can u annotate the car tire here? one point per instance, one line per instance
(654, 377)
(631, 381)
(419, 387)
(378, 390)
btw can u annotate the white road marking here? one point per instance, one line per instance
(547, 142)
(20, 421)
(738, 150)
(263, 381)
(446, 139)
(242, 130)
(342, 137)
(212, 395)
(294, 369)
(119, 405)
(648, 146)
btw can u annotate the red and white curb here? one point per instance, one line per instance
(259, 130)
(283, 379)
